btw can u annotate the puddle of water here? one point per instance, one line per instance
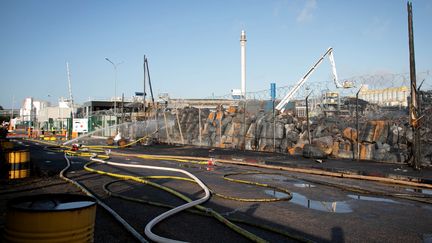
(303, 185)
(48, 161)
(423, 191)
(299, 199)
(372, 199)
(331, 207)
(427, 238)
(427, 207)
(276, 194)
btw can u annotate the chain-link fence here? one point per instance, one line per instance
(339, 126)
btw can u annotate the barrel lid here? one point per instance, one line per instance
(51, 202)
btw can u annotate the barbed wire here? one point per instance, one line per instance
(373, 81)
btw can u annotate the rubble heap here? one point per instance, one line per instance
(386, 140)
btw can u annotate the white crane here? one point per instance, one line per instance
(293, 91)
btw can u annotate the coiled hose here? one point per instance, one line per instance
(153, 222)
(199, 160)
(87, 151)
(125, 224)
(213, 213)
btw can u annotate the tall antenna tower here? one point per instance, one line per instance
(70, 88)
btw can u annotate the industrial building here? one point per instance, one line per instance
(395, 96)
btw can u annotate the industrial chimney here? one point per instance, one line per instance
(243, 62)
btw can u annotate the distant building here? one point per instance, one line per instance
(55, 116)
(92, 107)
(30, 109)
(395, 96)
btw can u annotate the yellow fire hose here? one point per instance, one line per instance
(92, 152)
(236, 228)
(200, 212)
(201, 160)
(298, 170)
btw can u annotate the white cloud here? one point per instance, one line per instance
(306, 14)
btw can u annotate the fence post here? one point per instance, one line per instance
(220, 127)
(199, 125)
(166, 128)
(244, 125)
(178, 122)
(157, 121)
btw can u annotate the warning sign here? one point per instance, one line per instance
(80, 125)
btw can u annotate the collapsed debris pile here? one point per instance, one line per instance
(384, 136)
(426, 125)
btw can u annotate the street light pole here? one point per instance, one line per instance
(115, 86)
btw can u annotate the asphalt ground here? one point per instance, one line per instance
(323, 209)
(400, 171)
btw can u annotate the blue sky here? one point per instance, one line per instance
(193, 46)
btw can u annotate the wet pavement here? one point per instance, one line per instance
(398, 171)
(318, 211)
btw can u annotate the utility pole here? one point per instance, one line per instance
(122, 109)
(115, 86)
(149, 79)
(147, 75)
(13, 104)
(357, 124)
(70, 124)
(307, 119)
(70, 89)
(144, 94)
(414, 100)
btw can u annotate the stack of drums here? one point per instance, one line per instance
(50, 218)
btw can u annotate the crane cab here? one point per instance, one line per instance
(347, 84)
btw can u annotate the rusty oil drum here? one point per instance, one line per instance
(50, 218)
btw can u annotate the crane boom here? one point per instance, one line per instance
(299, 84)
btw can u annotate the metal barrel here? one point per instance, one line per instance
(18, 163)
(50, 218)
